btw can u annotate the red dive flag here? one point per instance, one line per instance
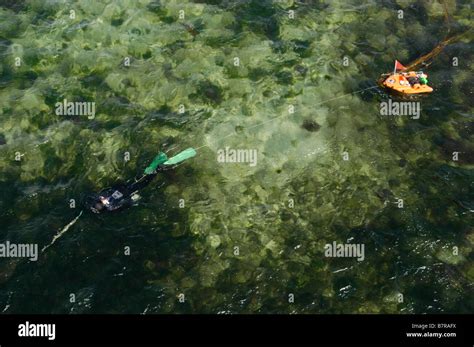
(398, 66)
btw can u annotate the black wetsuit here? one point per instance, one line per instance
(120, 195)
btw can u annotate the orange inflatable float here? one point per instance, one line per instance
(405, 82)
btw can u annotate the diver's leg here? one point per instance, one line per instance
(141, 182)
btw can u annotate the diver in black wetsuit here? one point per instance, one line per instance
(120, 195)
(124, 195)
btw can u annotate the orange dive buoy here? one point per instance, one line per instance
(405, 82)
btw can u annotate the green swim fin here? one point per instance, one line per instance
(182, 156)
(161, 158)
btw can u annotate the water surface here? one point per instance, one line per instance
(280, 213)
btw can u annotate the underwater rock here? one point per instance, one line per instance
(116, 21)
(310, 125)
(402, 162)
(302, 70)
(393, 182)
(285, 215)
(210, 92)
(384, 194)
(284, 77)
(3, 140)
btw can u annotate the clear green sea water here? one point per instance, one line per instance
(247, 236)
